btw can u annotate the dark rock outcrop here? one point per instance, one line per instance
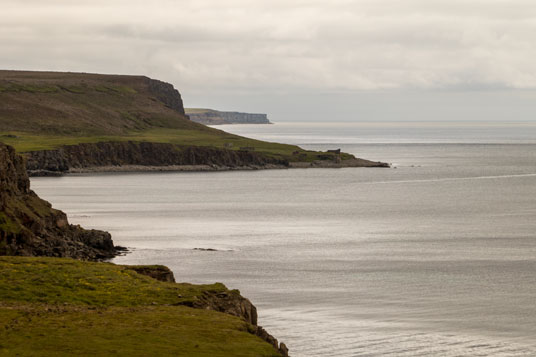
(143, 154)
(30, 226)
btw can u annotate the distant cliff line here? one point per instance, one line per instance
(216, 117)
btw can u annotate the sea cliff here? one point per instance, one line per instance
(30, 226)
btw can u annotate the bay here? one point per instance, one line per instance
(435, 256)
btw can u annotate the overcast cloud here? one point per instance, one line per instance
(213, 50)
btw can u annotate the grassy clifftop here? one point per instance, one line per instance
(64, 307)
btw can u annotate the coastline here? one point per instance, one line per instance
(148, 156)
(353, 163)
(34, 235)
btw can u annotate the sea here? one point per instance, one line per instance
(435, 256)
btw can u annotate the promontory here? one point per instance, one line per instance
(72, 122)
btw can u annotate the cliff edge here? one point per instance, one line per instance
(29, 226)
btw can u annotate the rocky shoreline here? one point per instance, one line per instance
(148, 168)
(200, 168)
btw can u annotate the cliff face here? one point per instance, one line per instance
(143, 154)
(30, 226)
(214, 117)
(166, 93)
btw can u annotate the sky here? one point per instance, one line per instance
(297, 60)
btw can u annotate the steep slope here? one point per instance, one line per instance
(30, 226)
(84, 104)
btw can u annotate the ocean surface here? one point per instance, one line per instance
(433, 257)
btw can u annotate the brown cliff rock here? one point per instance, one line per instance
(30, 226)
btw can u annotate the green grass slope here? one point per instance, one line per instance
(63, 307)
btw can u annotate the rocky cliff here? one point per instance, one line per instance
(215, 117)
(165, 93)
(106, 154)
(30, 226)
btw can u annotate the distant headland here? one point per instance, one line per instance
(216, 117)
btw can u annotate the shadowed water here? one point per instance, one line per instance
(435, 257)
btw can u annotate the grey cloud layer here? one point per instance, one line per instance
(275, 45)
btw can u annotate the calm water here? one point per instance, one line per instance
(436, 257)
